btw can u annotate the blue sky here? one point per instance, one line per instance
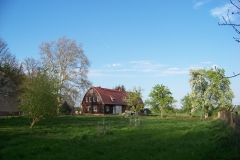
(131, 42)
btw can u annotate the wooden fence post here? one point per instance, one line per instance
(104, 128)
(98, 127)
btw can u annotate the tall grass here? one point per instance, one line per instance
(77, 137)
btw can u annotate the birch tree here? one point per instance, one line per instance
(66, 62)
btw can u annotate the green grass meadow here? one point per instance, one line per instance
(78, 137)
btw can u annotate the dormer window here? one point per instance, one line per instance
(112, 98)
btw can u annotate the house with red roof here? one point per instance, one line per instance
(99, 100)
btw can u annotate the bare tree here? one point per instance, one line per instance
(66, 61)
(31, 67)
(228, 22)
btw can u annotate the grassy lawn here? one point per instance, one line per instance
(77, 137)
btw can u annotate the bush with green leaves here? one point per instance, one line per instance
(40, 98)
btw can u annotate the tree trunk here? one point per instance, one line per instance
(206, 113)
(33, 122)
(162, 112)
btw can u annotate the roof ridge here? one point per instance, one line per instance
(108, 89)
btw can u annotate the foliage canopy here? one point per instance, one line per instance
(39, 100)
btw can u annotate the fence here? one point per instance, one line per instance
(134, 122)
(231, 118)
(103, 127)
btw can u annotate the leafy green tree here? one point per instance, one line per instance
(187, 104)
(39, 100)
(160, 98)
(120, 87)
(134, 99)
(237, 108)
(210, 90)
(9, 66)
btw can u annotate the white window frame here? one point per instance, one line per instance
(107, 109)
(89, 108)
(5, 93)
(95, 108)
(86, 99)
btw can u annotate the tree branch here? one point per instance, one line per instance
(235, 4)
(234, 75)
(228, 22)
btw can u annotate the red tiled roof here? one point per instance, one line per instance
(108, 94)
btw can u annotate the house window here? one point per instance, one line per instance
(89, 108)
(5, 93)
(90, 99)
(86, 99)
(112, 98)
(98, 99)
(107, 108)
(94, 99)
(95, 108)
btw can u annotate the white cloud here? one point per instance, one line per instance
(176, 71)
(113, 65)
(128, 69)
(221, 12)
(200, 3)
(145, 65)
(142, 69)
(95, 73)
(116, 65)
(207, 62)
(148, 70)
(172, 71)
